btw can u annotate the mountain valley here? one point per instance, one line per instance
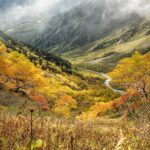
(74, 75)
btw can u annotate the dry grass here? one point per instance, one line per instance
(62, 134)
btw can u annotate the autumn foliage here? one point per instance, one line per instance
(20, 75)
(134, 73)
(63, 93)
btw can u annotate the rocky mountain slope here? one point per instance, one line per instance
(104, 54)
(68, 25)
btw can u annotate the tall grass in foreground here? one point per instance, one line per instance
(60, 134)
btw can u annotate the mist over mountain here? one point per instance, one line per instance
(66, 24)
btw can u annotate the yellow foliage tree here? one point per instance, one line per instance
(134, 73)
(96, 110)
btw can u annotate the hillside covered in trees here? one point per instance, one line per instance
(46, 82)
(51, 93)
(79, 96)
(74, 75)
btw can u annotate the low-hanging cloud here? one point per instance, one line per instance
(37, 11)
(40, 12)
(141, 7)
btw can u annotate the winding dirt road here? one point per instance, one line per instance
(107, 84)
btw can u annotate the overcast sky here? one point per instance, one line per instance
(42, 10)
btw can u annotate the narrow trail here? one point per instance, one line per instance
(107, 82)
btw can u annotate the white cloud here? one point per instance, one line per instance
(42, 10)
(142, 7)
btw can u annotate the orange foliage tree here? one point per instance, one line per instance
(64, 104)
